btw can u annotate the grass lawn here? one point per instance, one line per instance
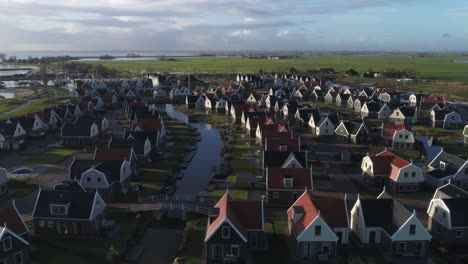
(409, 155)
(53, 249)
(53, 156)
(20, 187)
(35, 106)
(279, 248)
(235, 193)
(195, 235)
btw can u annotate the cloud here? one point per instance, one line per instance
(446, 35)
(242, 33)
(282, 33)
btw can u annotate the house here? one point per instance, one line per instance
(68, 212)
(447, 216)
(397, 136)
(445, 119)
(445, 167)
(280, 141)
(141, 146)
(289, 109)
(303, 115)
(81, 133)
(284, 185)
(265, 125)
(427, 104)
(465, 135)
(384, 112)
(283, 159)
(11, 218)
(12, 135)
(110, 177)
(370, 109)
(3, 181)
(404, 115)
(15, 248)
(342, 99)
(386, 222)
(352, 132)
(326, 125)
(318, 226)
(121, 154)
(234, 229)
(387, 169)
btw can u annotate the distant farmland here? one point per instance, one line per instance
(439, 69)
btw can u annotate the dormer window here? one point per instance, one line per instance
(412, 229)
(7, 244)
(288, 182)
(442, 166)
(282, 148)
(59, 209)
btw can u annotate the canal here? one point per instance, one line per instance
(199, 172)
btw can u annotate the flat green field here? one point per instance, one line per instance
(439, 68)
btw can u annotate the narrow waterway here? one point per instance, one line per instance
(199, 172)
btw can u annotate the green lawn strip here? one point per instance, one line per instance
(196, 230)
(71, 250)
(239, 194)
(410, 155)
(280, 249)
(232, 179)
(20, 187)
(35, 106)
(53, 156)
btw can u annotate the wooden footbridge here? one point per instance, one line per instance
(184, 203)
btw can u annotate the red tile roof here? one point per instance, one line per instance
(274, 139)
(387, 164)
(389, 129)
(432, 100)
(107, 99)
(302, 178)
(113, 153)
(243, 215)
(332, 210)
(13, 220)
(148, 124)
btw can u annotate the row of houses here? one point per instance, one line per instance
(319, 227)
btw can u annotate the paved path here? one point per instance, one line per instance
(21, 107)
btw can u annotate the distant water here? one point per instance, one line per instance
(84, 54)
(461, 61)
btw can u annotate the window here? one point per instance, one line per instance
(275, 195)
(406, 136)
(400, 136)
(226, 232)
(42, 223)
(7, 244)
(413, 174)
(444, 214)
(88, 179)
(50, 224)
(19, 258)
(412, 229)
(282, 148)
(293, 165)
(466, 171)
(326, 248)
(406, 174)
(401, 247)
(99, 179)
(58, 209)
(459, 234)
(217, 251)
(318, 230)
(288, 182)
(235, 250)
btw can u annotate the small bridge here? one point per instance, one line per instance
(184, 203)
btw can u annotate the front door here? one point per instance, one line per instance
(326, 248)
(340, 237)
(372, 237)
(217, 251)
(253, 240)
(401, 247)
(419, 249)
(306, 250)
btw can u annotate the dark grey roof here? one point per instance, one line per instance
(78, 129)
(138, 144)
(69, 185)
(334, 119)
(111, 168)
(7, 129)
(277, 158)
(407, 111)
(452, 191)
(373, 106)
(352, 127)
(458, 211)
(452, 165)
(378, 213)
(440, 114)
(80, 204)
(142, 135)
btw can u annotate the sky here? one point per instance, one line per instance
(233, 25)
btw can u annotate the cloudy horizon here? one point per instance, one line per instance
(228, 25)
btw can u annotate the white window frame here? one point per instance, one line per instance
(288, 180)
(238, 250)
(4, 246)
(228, 231)
(283, 148)
(21, 254)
